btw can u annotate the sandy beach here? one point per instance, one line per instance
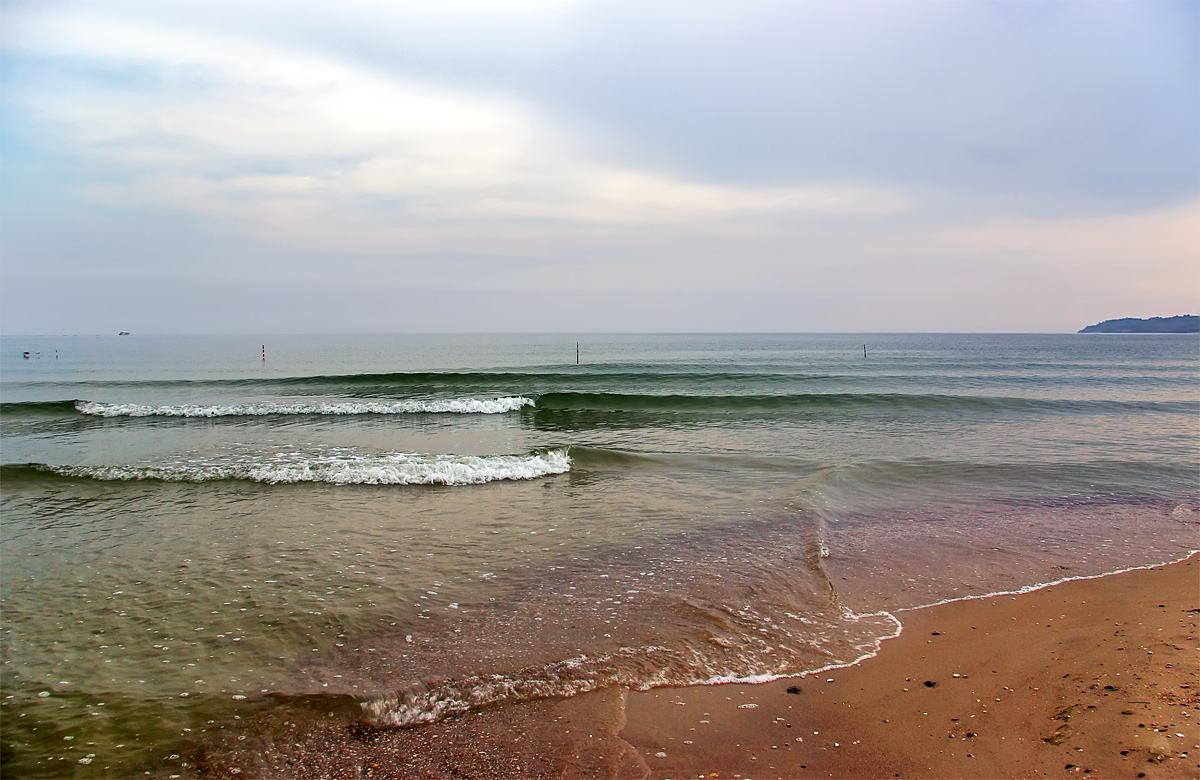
(1094, 678)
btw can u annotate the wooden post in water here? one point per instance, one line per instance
(264, 353)
(576, 353)
(864, 350)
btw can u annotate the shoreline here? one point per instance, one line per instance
(1076, 698)
(1106, 678)
(892, 613)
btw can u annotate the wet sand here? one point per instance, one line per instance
(1096, 678)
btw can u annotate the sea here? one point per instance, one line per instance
(407, 529)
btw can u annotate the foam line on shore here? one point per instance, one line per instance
(1039, 586)
(1018, 592)
(757, 679)
(891, 615)
(588, 674)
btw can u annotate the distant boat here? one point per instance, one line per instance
(123, 333)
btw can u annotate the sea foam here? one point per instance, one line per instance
(339, 469)
(434, 406)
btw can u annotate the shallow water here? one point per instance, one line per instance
(427, 525)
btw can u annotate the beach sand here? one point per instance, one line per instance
(1091, 677)
(1096, 678)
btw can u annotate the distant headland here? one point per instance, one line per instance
(1184, 323)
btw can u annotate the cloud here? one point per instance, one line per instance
(300, 148)
(755, 165)
(1035, 108)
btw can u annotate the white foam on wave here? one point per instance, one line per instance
(566, 678)
(342, 469)
(636, 668)
(498, 405)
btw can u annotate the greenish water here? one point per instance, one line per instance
(409, 527)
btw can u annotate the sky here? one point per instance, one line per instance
(558, 166)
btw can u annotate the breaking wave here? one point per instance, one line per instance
(557, 405)
(335, 469)
(444, 406)
(850, 639)
(640, 402)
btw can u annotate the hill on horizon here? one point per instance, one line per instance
(1183, 323)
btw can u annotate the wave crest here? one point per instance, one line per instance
(498, 405)
(339, 469)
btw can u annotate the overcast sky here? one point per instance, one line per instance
(534, 165)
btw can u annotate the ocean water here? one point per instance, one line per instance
(407, 528)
